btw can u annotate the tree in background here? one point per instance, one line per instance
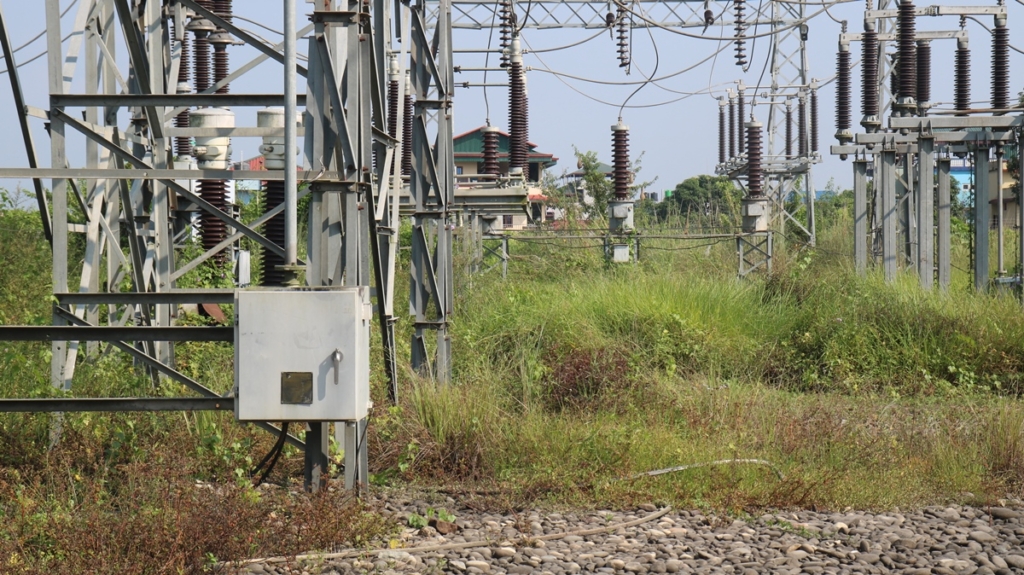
(595, 184)
(713, 198)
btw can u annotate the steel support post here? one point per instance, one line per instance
(890, 215)
(1020, 216)
(903, 210)
(1000, 227)
(860, 215)
(316, 455)
(925, 211)
(58, 188)
(945, 211)
(432, 187)
(982, 218)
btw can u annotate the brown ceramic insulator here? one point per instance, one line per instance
(843, 90)
(721, 134)
(623, 37)
(789, 130)
(221, 68)
(490, 165)
(962, 80)
(814, 121)
(410, 109)
(393, 108)
(202, 64)
(924, 74)
(183, 144)
(732, 128)
(620, 161)
(739, 6)
(203, 56)
(221, 64)
(517, 117)
(741, 106)
(1000, 67)
(869, 74)
(214, 230)
(755, 174)
(273, 230)
(393, 112)
(505, 31)
(223, 9)
(907, 33)
(801, 127)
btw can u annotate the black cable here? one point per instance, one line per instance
(657, 62)
(526, 18)
(270, 459)
(753, 43)
(753, 99)
(487, 61)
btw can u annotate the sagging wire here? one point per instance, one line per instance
(634, 106)
(487, 61)
(753, 44)
(753, 99)
(526, 17)
(657, 62)
(41, 34)
(794, 24)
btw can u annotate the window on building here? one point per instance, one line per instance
(458, 170)
(506, 221)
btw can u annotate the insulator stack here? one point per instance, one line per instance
(490, 151)
(202, 53)
(962, 78)
(924, 75)
(814, 121)
(505, 30)
(393, 108)
(732, 127)
(623, 37)
(183, 144)
(620, 160)
(721, 132)
(741, 110)
(392, 102)
(739, 6)
(214, 229)
(1000, 65)
(273, 230)
(789, 130)
(410, 110)
(220, 41)
(843, 113)
(907, 29)
(517, 111)
(801, 122)
(869, 71)
(755, 174)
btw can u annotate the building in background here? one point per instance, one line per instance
(469, 159)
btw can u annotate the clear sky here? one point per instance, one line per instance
(678, 140)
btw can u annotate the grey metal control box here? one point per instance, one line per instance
(302, 355)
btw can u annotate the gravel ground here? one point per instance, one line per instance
(947, 540)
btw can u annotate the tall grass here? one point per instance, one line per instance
(572, 374)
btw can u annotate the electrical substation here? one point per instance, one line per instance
(362, 129)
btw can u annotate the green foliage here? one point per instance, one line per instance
(596, 184)
(712, 198)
